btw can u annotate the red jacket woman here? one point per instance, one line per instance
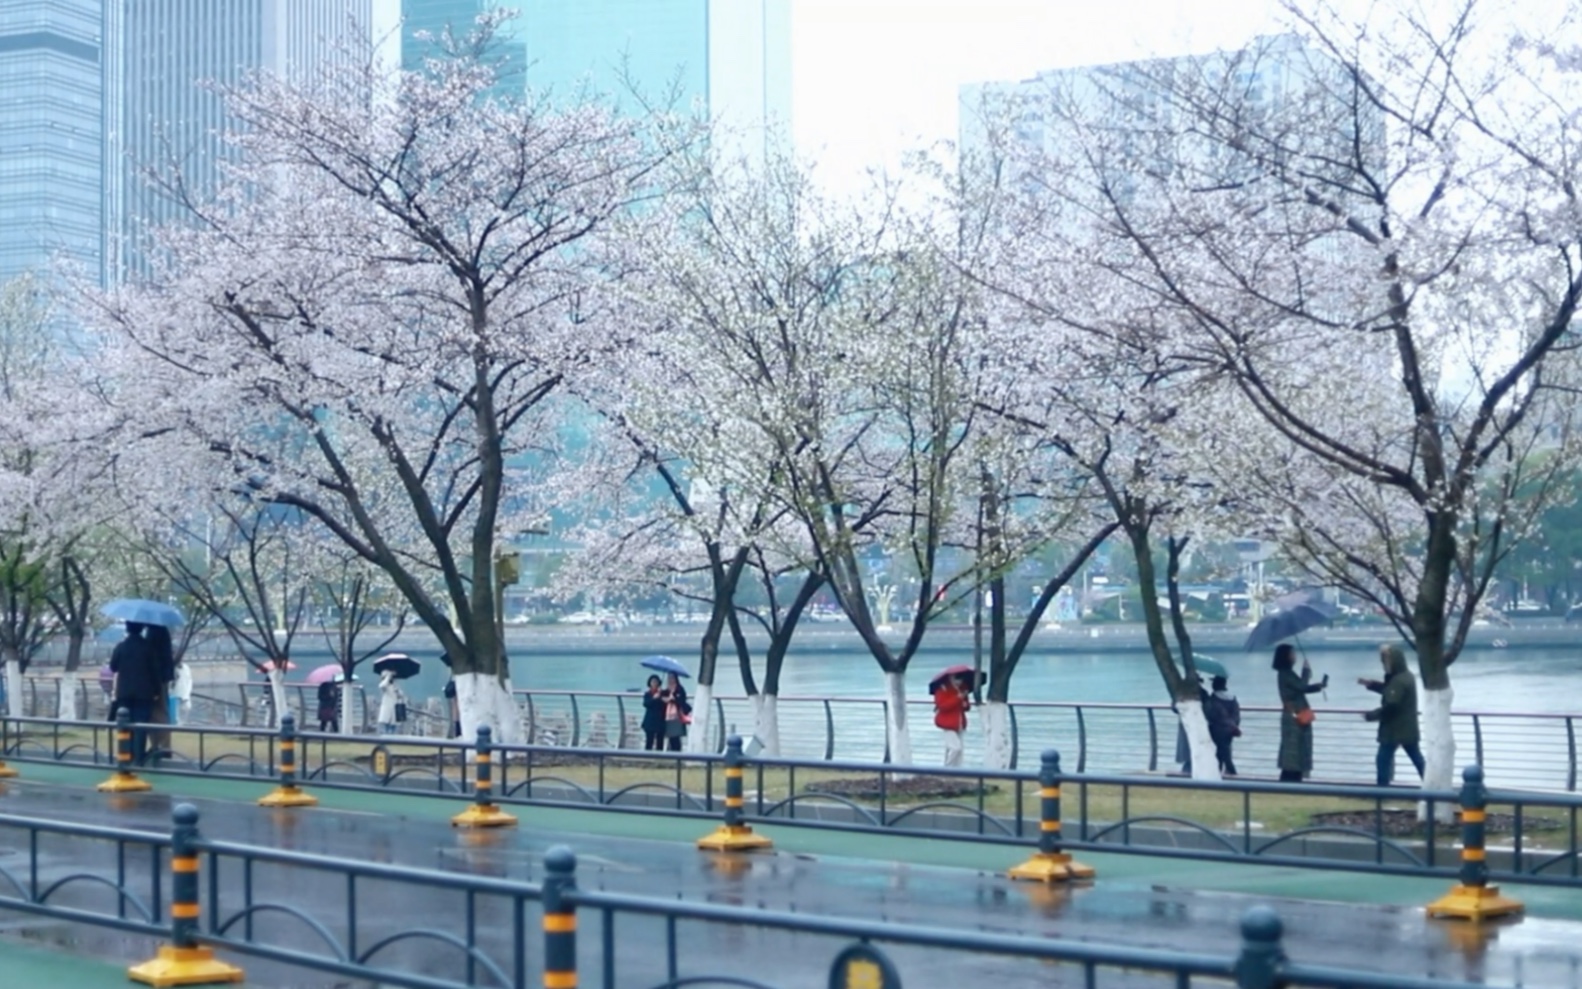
(951, 704)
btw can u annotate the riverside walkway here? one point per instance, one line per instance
(1364, 922)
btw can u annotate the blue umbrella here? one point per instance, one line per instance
(143, 611)
(665, 664)
(1287, 623)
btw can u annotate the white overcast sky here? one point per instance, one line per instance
(875, 78)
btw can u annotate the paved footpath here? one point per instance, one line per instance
(1373, 923)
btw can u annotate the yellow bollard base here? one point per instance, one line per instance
(483, 816)
(6, 772)
(734, 839)
(288, 796)
(1056, 867)
(184, 967)
(1474, 903)
(124, 783)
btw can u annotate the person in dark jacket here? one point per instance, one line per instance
(678, 713)
(1396, 713)
(138, 683)
(653, 717)
(1296, 726)
(1224, 723)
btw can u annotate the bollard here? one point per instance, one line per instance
(483, 813)
(560, 919)
(1261, 959)
(6, 772)
(184, 962)
(734, 835)
(1473, 898)
(1049, 864)
(288, 793)
(123, 780)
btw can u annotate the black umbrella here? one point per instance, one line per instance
(1286, 622)
(399, 663)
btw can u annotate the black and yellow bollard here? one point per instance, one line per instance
(560, 919)
(1473, 898)
(1049, 864)
(483, 813)
(734, 835)
(288, 793)
(123, 780)
(184, 962)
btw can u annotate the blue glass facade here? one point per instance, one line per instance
(435, 17)
(52, 129)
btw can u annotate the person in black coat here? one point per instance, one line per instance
(137, 671)
(653, 717)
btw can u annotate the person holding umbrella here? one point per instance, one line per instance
(952, 700)
(653, 715)
(135, 669)
(1296, 715)
(677, 712)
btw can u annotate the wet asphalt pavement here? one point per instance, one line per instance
(1533, 952)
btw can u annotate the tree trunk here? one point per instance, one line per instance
(348, 724)
(1205, 766)
(1439, 748)
(66, 702)
(277, 693)
(896, 728)
(485, 699)
(766, 723)
(997, 735)
(699, 733)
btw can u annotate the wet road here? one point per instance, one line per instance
(1535, 952)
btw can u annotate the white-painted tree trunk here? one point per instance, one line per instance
(277, 691)
(13, 690)
(1199, 742)
(766, 723)
(485, 699)
(700, 734)
(66, 700)
(899, 732)
(1439, 750)
(997, 735)
(349, 724)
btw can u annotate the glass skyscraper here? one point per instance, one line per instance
(56, 107)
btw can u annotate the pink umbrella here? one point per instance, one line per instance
(328, 673)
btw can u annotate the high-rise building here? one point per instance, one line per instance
(56, 106)
(179, 53)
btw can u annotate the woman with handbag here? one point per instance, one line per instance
(1296, 715)
(678, 713)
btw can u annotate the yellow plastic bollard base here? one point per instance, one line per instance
(740, 838)
(124, 783)
(483, 816)
(288, 796)
(1047, 867)
(184, 967)
(1474, 903)
(6, 772)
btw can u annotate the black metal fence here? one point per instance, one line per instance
(314, 912)
(1534, 836)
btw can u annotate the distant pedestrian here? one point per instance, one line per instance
(951, 704)
(452, 706)
(678, 713)
(1396, 713)
(1224, 722)
(164, 653)
(329, 696)
(181, 694)
(653, 716)
(1296, 715)
(136, 671)
(389, 697)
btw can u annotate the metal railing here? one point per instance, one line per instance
(332, 914)
(1539, 840)
(1538, 751)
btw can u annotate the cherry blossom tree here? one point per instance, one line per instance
(364, 325)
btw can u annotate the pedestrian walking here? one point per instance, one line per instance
(678, 713)
(653, 716)
(1223, 712)
(951, 704)
(1296, 715)
(389, 697)
(329, 695)
(136, 673)
(1396, 713)
(181, 694)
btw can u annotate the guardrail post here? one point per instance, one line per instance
(1473, 898)
(560, 919)
(288, 793)
(483, 813)
(735, 835)
(6, 772)
(123, 780)
(1261, 958)
(1049, 864)
(184, 962)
